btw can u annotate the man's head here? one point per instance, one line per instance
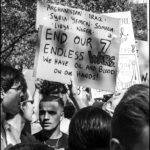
(54, 88)
(130, 123)
(51, 112)
(14, 85)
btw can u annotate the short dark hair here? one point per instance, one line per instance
(9, 76)
(136, 89)
(131, 116)
(69, 111)
(53, 98)
(33, 146)
(90, 129)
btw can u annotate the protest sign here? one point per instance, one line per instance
(143, 57)
(128, 66)
(96, 93)
(77, 44)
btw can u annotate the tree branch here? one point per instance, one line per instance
(17, 39)
(4, 59)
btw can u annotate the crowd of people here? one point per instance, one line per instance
(65, 121)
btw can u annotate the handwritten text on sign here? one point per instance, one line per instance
(63, 56)
(143, 57)
(128, 66)
(74, 20)
(90, 58)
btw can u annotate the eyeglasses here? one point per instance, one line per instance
(17, 88)
(26, 101)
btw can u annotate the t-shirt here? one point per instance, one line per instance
(62, 142)
(27, 138)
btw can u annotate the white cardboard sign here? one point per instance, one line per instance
(128, 66)
(77, 44)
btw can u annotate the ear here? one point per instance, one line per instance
(22, 107)
(62, 116)
(115, 144)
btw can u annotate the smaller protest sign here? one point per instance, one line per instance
(128, 65)
(143, 57)
(96, 93)
(127, 71)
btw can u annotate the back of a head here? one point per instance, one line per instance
(136, 89)
(131, 116)
(89, 129)
(35, 146)
(50, 87)
(9, 76)
(69, 111)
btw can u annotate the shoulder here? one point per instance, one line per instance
(65, 136)
(38, 136)
(27, 138)
(64, 140)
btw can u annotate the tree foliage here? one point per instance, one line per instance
(18, 17)
(18, 34)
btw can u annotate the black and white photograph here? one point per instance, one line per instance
(74, 75)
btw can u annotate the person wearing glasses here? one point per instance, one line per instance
(13, 86)
(19, 125)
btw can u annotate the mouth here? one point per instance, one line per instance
(33, 112)
(46, 124)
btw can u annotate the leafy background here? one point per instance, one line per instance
(18, 17)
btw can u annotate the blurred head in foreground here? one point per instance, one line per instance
(90, 129)
(130, 122)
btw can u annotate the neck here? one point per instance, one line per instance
(56, 135)
(17, 122)
(53, 134)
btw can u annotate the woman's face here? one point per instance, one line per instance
(27, 107)
(12, 98)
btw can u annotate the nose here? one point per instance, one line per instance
(33, 108)
(21, 94)
(46, 116)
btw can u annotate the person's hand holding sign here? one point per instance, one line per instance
(38, 83)
(37, 98)
(79, 96)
